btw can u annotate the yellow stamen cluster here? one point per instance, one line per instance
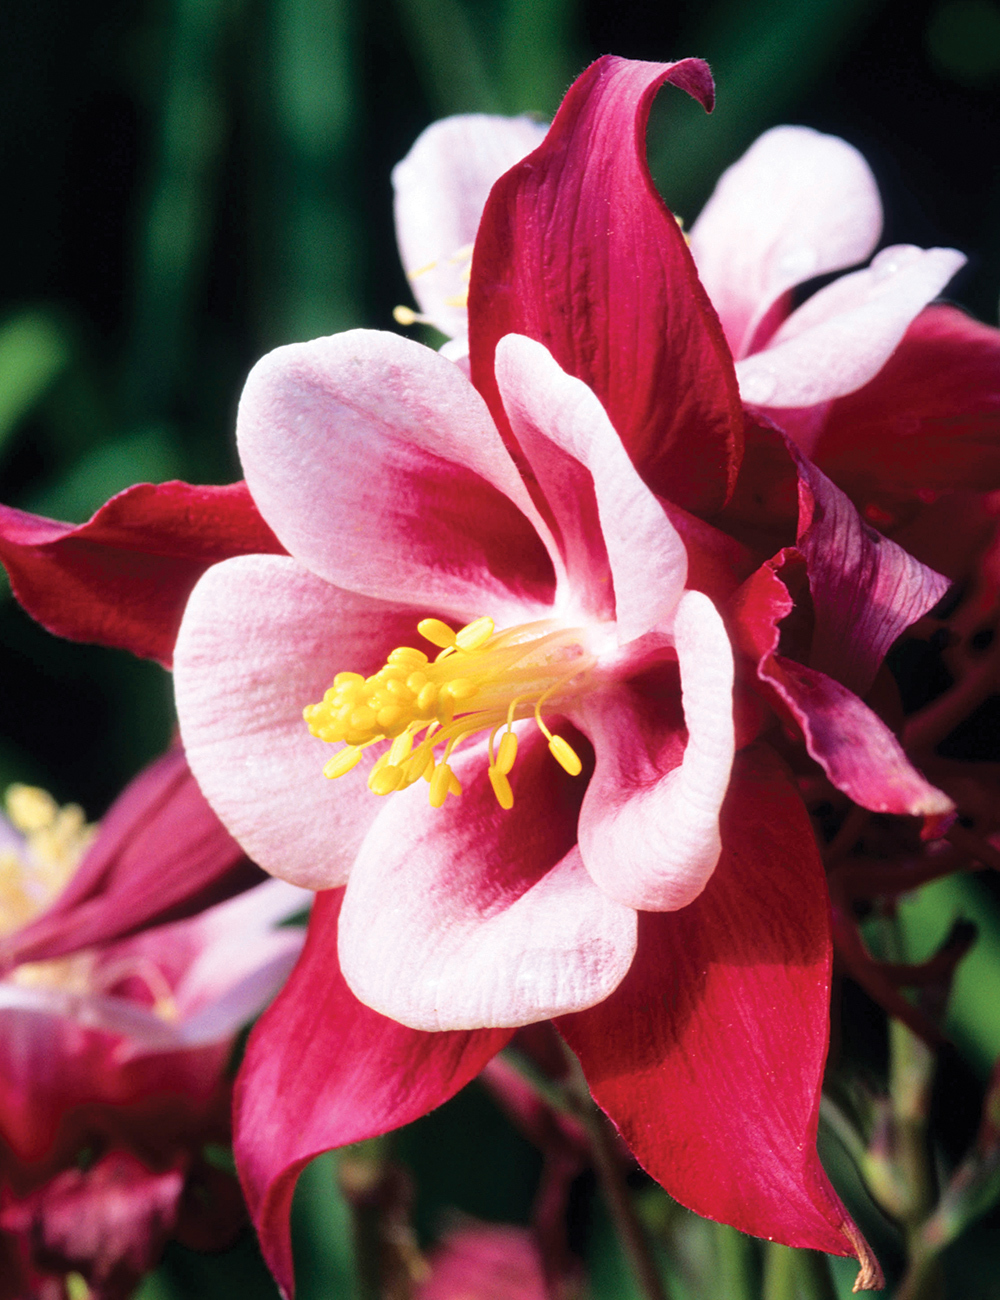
(55, 839)
(481, 680)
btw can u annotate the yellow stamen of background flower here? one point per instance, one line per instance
(55, 839)
(407, 316)
(481, 680)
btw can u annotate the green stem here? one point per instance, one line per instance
(174, 238)
(631, 1234)
(311, 229)
(779, 1272)
(814, 1271)
(735, 1263)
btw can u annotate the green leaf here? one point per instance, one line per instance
(974, 1008)
(34, 352)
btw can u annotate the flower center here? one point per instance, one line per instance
(481, 680)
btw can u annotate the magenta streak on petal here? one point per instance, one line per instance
(473, 915)
(376, 462)
(562, 428)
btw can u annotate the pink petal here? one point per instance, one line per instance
(122, 578)
(797, 204)
(161, 853)
(469, 915)
(321, 1070)
(866, 590)
(843, 335)
(855, 748)
(577, 251)
(709, 1057)
(441, 187)
(376, 462)
(649, 826)
(242, 954)
(584, 471)
(929, 420)
(282, 634)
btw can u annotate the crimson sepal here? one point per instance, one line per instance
(161, 854)
(930, 419)
(854, 746)
(577, 250)
(123, 578)
(709, 1056)
(321, 1070)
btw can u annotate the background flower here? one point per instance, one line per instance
(115, 1048)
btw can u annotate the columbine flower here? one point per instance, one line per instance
(590, 529)
(114, 1053)
(562, 537)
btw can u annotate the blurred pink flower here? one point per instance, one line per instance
(114, 1053)
(486, 1261)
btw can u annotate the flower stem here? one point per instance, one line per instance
(630, 1231)
(779, 1272)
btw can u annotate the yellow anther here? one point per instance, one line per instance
(342, 763)
(30, 809)
(457, 300)
(363, 718)
(401, 747)
(422, 270)
(33, 874)
(501, 788)
(506, 752)
(460, 689)
(565, 755)
(438, 633)
(383, 780)
(480, 682)
(441, 779)
(390, 717)
(407, 656)
(405, 315)
(474, 634)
